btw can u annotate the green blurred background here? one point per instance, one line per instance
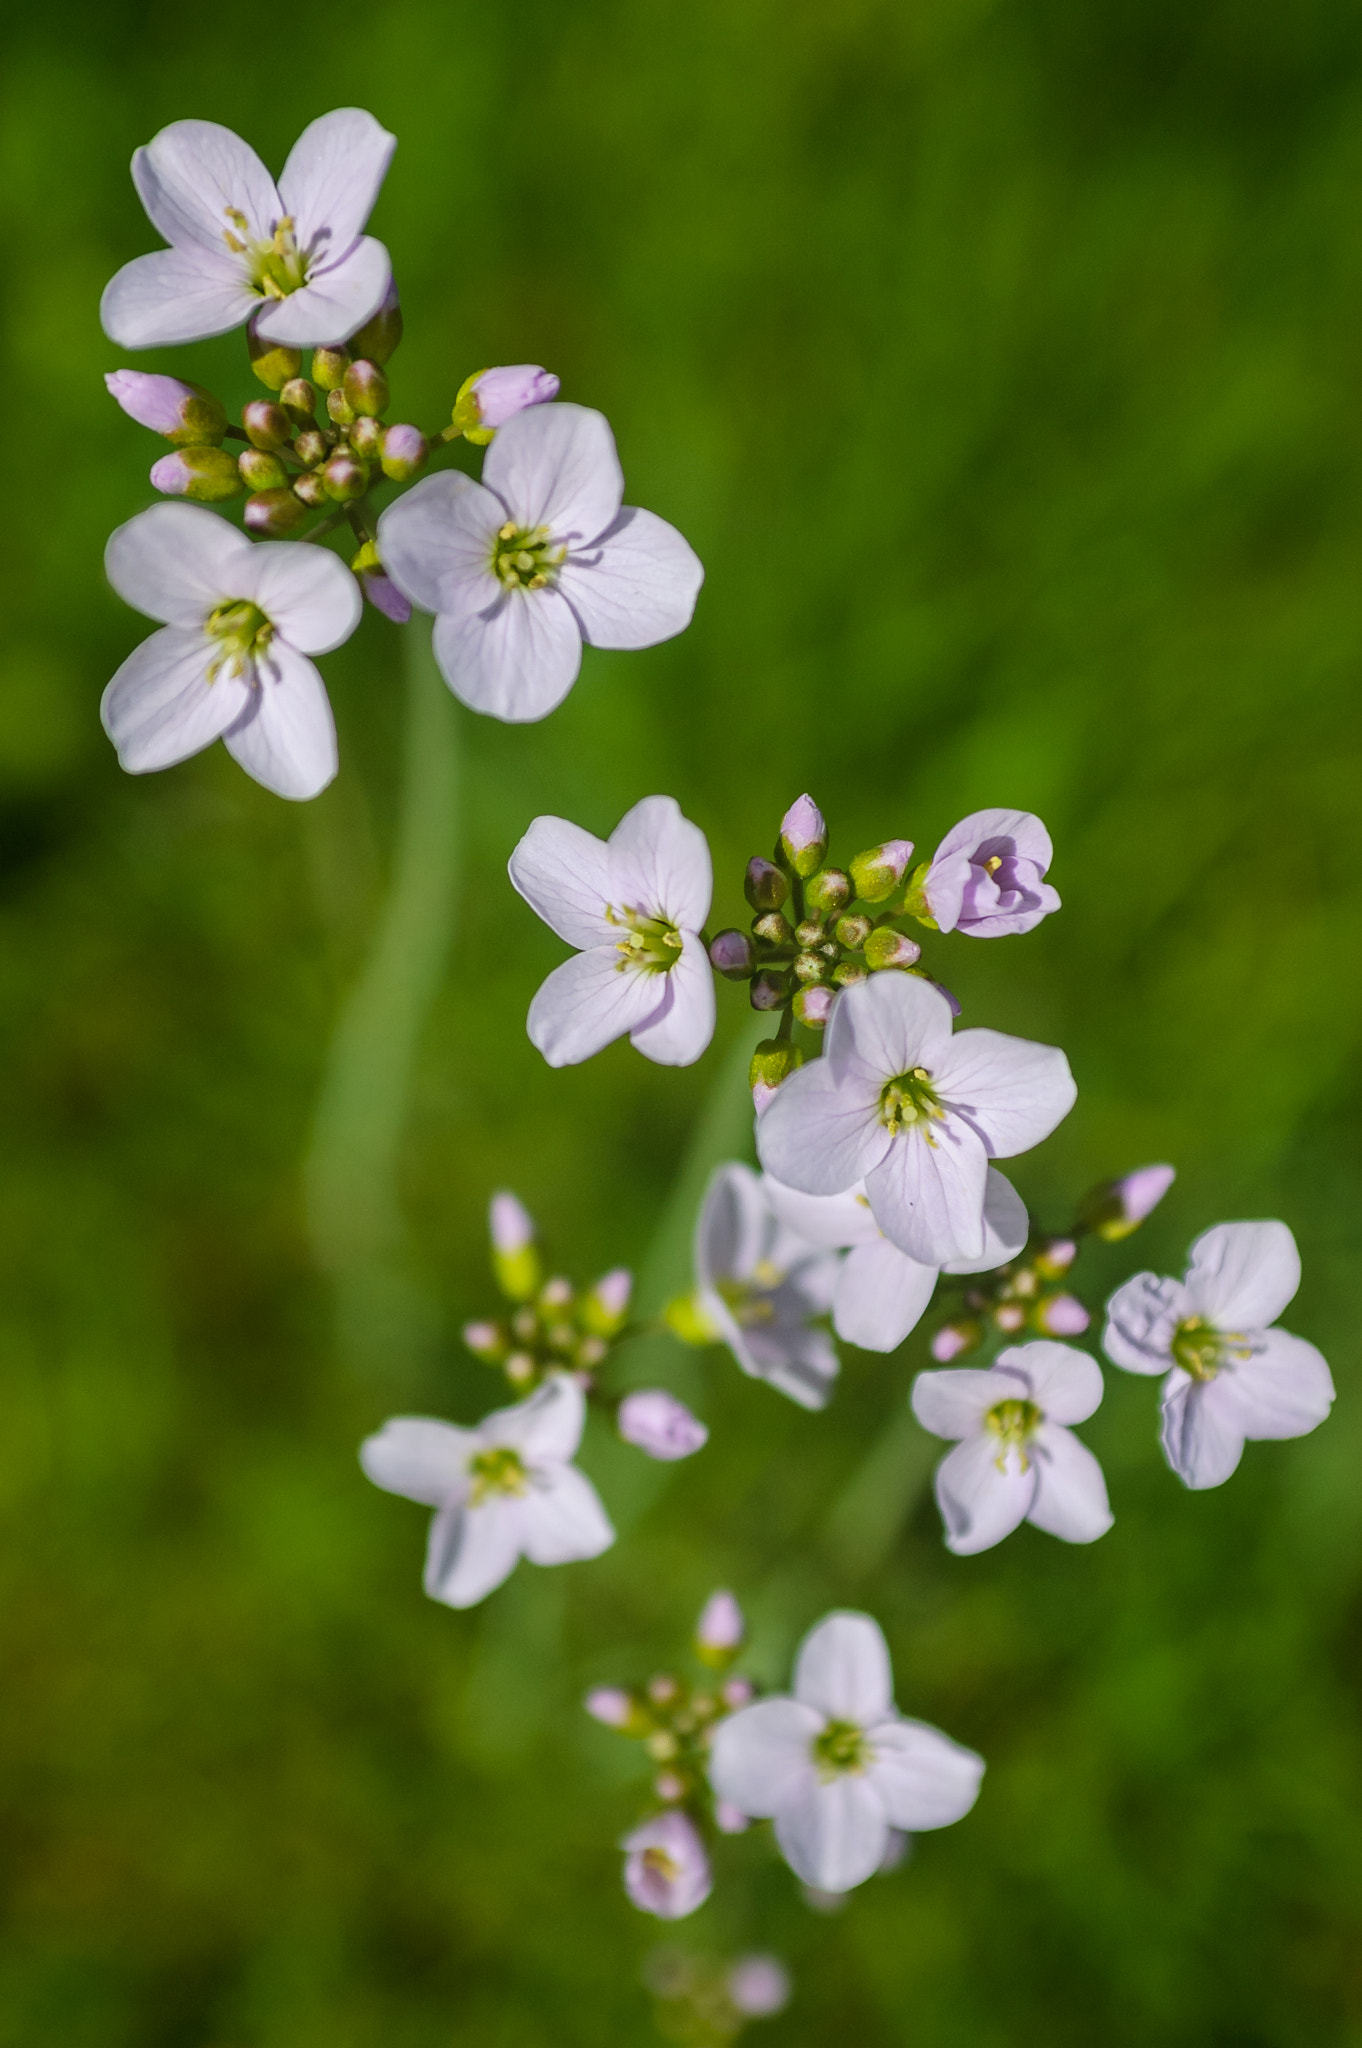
(1000, 358)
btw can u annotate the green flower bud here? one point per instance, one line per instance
(272, 364)
(299, 400)
(312, 447)
(810, 967)
(774, 1060)
(209, 476)
(380, 334)
(261, 471)
(366, 438)
(888, 948)
(329, 366)
(876, 873)
(267, 424)
(853, 930)
(764, 886)
(827, 892)
(810, 932)
(275, 514)
(773, 928)
(404, 450)
(339, 409)
(345, 477)
(366, 387)
(310, 489)
(848, 973)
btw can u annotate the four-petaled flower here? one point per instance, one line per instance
(762, 1290)
(916, 1114)
(231, 661)
(1230, 1376)
(502, 1491)
(987, 875)
(295, 256)
(634, 905)
(1016, 1459)
(666, 1870)
(837, 1767)
(540, 556)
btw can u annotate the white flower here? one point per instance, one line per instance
(881, 1294)
(916, 1114)
(666, 1870)
(231, 662)
(987, 875)
(1230, 1376)
(634, 905)
(1016, 1460)
(503, 1491)
(762, 1290)
(523, 567)
(837, 1766)
(295, 256)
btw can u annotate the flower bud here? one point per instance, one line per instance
(653, 1421)
(1009, 1316)
(486, 1341)
(758, 1987)
(381, 332)
(489, 398)
(1118, 1207)
(339, 410)
(764, 886)
(378, 586)
(260, 471)
(366, 438)
(345, 476)
(605, 1308)
(886, 948)
(772, 929)
(735, 1693)
(827, 892)
(613, 1707)
(876, 873)
(520, 1369)
(366, 388)
(404, 450)
(730, 1819)
(310, 489)
(953, 1340)
(813, 1006)
(272, 364)
(207, 475)
(1055, 1257)
(267, 424)
(329, 366)
(810, 932)
(768, 990)
(274, 514)
(311, 446)
(299, 400)
(849, 973)
(670, 1787)
(663, 1689)
(1062, 1315)
(730, 954)
(810, 968)
(720, 1629)
(185, 414)
(803, 837)
(853, 930)
(515, 1261)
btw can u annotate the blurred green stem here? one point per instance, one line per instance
(354, 1211)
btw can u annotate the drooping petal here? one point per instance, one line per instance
(842, 1669)
(796, 1358)
(954, 1403)
(733, 1225)
(677, 1034)
(634, 586)
(1013, 1091)
(1283, 1389)
(927, 1193)
(307, 593)
(471, 1550)
(832, 1220)
(1006, 1227)
(518, 659)
(818, 1137)
(889, 1025)
(563, 873)
(436, 543)
(176, 562)
(160, 707)
(833, 1833)
(1200, 1430)
(1071, 1494)
(332, 178)
(589, 1002)
(194, 175)
(546, 1427)
(556, 466)
(1242, 1275)
(286, 737)
(660, 864)
(563, 1518)
(335, 301)
(983, 1493)
(175, 295)
(923, 1778)
(1065, 1383)
(1142, 1320)
(882, 1294)
(420, 1458)
(944, 888)
(763, 1755)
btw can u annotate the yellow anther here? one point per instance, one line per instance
(993, 863)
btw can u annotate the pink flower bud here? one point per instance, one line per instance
(502, 393)
(730, 954)
(729, 1819)
(610, 1705)
(735, 1693)
(274, 514)
(1063, 1315)
(666, 1870)
(758, 1987)
(1056, 1256)
(612, 1292)
(1009, 1315)
(876, 873)
(207, 475)
(1142, 1191)
(813, 1006)
(662, 1689)
(721, 1625)
(764, 886)
(804, 836)
(653, 1421)
(886, 948)
(404, 450)
(669, 1785)
(484, 1340)
(952, 1339)
(182, 412)
(510, 1224)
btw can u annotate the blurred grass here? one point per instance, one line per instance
(1000, 357)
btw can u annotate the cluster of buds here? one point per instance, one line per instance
(550, 1328)
(1029, 1294)
(705, 2000)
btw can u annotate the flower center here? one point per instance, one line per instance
(1014, 1423)
(500, 1470)
(749, 1300)
(909, 1102)
(278, 266)
(841, 1747)
(651, 943)
(1198, 1348)
(243, 634)
(666, 1867)
(523, 557)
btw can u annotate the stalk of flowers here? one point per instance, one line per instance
(705, 2001)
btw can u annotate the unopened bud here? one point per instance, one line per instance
(329, 366)
(273, 514)
(366, 438)
(764, 886)
(366, 388)
(207, 475)
(720, 1629)
(612, 1706)
(1062, 1315)
(311, 446)
(261, 471)
(267, 424)
(1119, 1207)
(670, 1787)
(605, 1308)
(381, 332)
(378, 586)
(272, 364)
(487, 399)
(953, 1340)
(773, 928)
(849, 973)
(769, 990)
(520, 1369)
(654, 1421)
(827, 892)
(877, 873)
(486, 1341)
(803, 837)
(310, 489)
(1055, 1257)
(774, 1060)
(555, 1293)
(758, 1987)
(1009, 1316)
(735, 1693)
(663, 1689)
(730, 1819)
(810, 933)
(810, 967)
(853, 930)
(730, 953)
(404, 450)
(339, 410)
(515, 1261)
(813, 1006)
(187, 415)
(345, 476)
(299, 400)
(886, 948)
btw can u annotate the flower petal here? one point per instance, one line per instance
(175, 295)
(733, 1227)
(332, 178)
(436, 543)
(1242, 1275)
(819, 1137)
(286, 737)
(796, 1358)
(563, 1518)
(833, 1834)
(420, 1458)
(1066, 1384)
(563, 873)
(1142, 1319)
(1285, 1389)
(1006, 1227)
(1200, 1430)
(927, 1194)
(1071, 1494)
(518, 659)
(882, 1294)
(194, 175)
(889, 1025)
(677, 1033)
(556, 466)
(634, 586)
(546, 1427)
(471, 1550)
(843, 1671)
(1013, 1091)
(762, 1756)
(335, 301)
(954, 1403)
(831, 1220)
(160, 707)
(308, 594)
(1022, 829)
(176, 562)
(660, 864)
(983, 1493)
(923, 1778)
(587, 1003)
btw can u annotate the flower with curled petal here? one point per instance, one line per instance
(762, 1289)
(987, 877)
